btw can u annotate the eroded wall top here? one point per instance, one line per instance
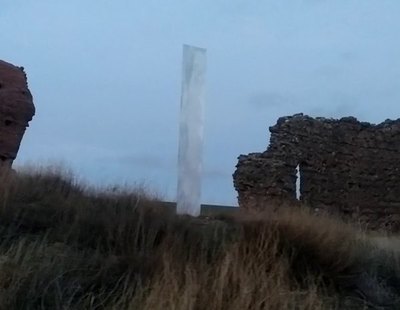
(16, 110)
(346, 166)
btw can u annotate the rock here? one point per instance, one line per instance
(16, 111)
(347, 167)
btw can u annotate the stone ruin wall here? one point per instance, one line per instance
(346, 167)
(16, 110)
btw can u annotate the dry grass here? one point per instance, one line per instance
(64, 246)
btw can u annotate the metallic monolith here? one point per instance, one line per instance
(191, 131)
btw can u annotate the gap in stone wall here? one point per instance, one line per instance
(298, 182)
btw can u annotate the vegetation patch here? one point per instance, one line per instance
(66, 246)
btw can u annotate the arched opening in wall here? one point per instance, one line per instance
(301, 184)
(298, 182)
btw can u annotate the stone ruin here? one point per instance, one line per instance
(346, 167)
(16, 111)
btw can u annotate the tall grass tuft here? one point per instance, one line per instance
(66, 246)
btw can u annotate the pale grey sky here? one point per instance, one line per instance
(105, 75)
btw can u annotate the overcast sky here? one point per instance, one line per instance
(105, 75)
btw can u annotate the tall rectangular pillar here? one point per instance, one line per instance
(191, 125)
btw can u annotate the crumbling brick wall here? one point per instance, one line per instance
(16, 110)
(346, 167)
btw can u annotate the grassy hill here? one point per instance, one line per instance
(66, 246)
